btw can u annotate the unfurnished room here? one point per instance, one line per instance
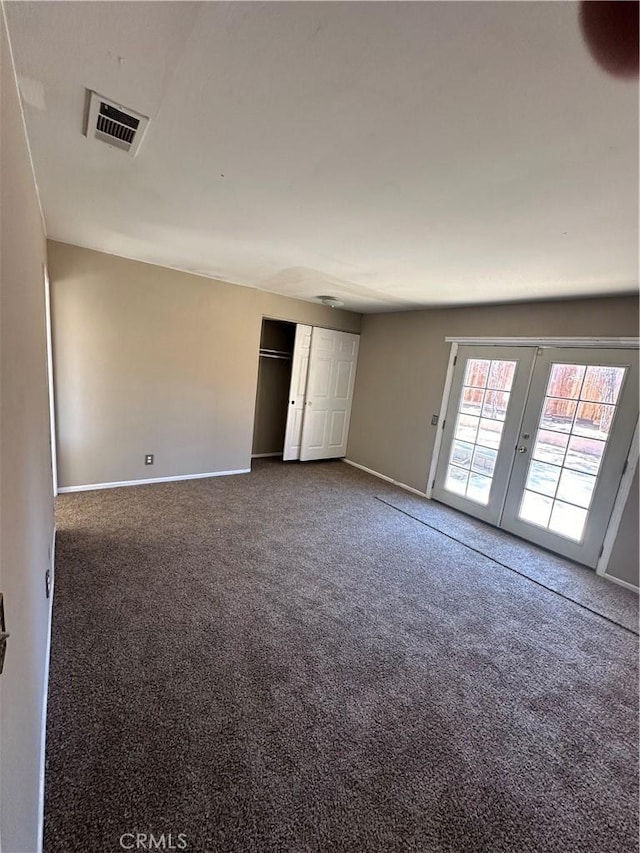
(319, 445)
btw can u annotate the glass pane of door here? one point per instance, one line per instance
(578, 410)
(576, 432)
(482, 410)
(485, 408)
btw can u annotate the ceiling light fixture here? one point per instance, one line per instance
(331, 301)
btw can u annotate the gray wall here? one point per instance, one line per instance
(624, 562)
(402, 366)
(150, 360)
(26, 486)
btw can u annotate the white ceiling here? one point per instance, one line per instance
(391, 154)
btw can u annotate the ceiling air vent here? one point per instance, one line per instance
(114, 124)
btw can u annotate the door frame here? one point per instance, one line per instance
(281, 319)
(624, 488)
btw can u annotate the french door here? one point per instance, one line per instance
(488, 394)
(535, 441)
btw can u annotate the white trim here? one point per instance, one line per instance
(45, 696)
(513, 455)
(620, 582)
(618, 506)
(265, 455)
(608, 343)
(441, 418)
(93, 486)
(52, 405)
(384, 477)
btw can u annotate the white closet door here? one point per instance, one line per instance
(332, 372)
(297, 392)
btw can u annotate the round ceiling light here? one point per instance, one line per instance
(331, 301)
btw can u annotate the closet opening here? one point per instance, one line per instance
(274, 380)
(305, 388)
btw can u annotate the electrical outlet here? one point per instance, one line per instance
(148, 459)
(434, 420)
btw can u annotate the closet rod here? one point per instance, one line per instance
(282, 357)
(280, 352)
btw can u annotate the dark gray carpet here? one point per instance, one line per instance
(570, 579)
(280, 662)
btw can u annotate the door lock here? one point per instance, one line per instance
(522, 449)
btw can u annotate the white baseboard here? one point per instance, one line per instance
(45, 696)
(387, 479)
(265, 455)
(620, 582)
(92, 486)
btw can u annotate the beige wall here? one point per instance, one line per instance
(26, 489)
(150, 360)
(403, 361)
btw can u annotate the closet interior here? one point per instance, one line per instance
(274, 379)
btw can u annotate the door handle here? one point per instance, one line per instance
(522, 449)
(4, 634)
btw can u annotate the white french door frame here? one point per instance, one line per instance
(580, 343)
(624, 491)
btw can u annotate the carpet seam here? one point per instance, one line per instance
(510, 568)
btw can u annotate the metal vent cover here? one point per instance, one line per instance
(114, 124)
